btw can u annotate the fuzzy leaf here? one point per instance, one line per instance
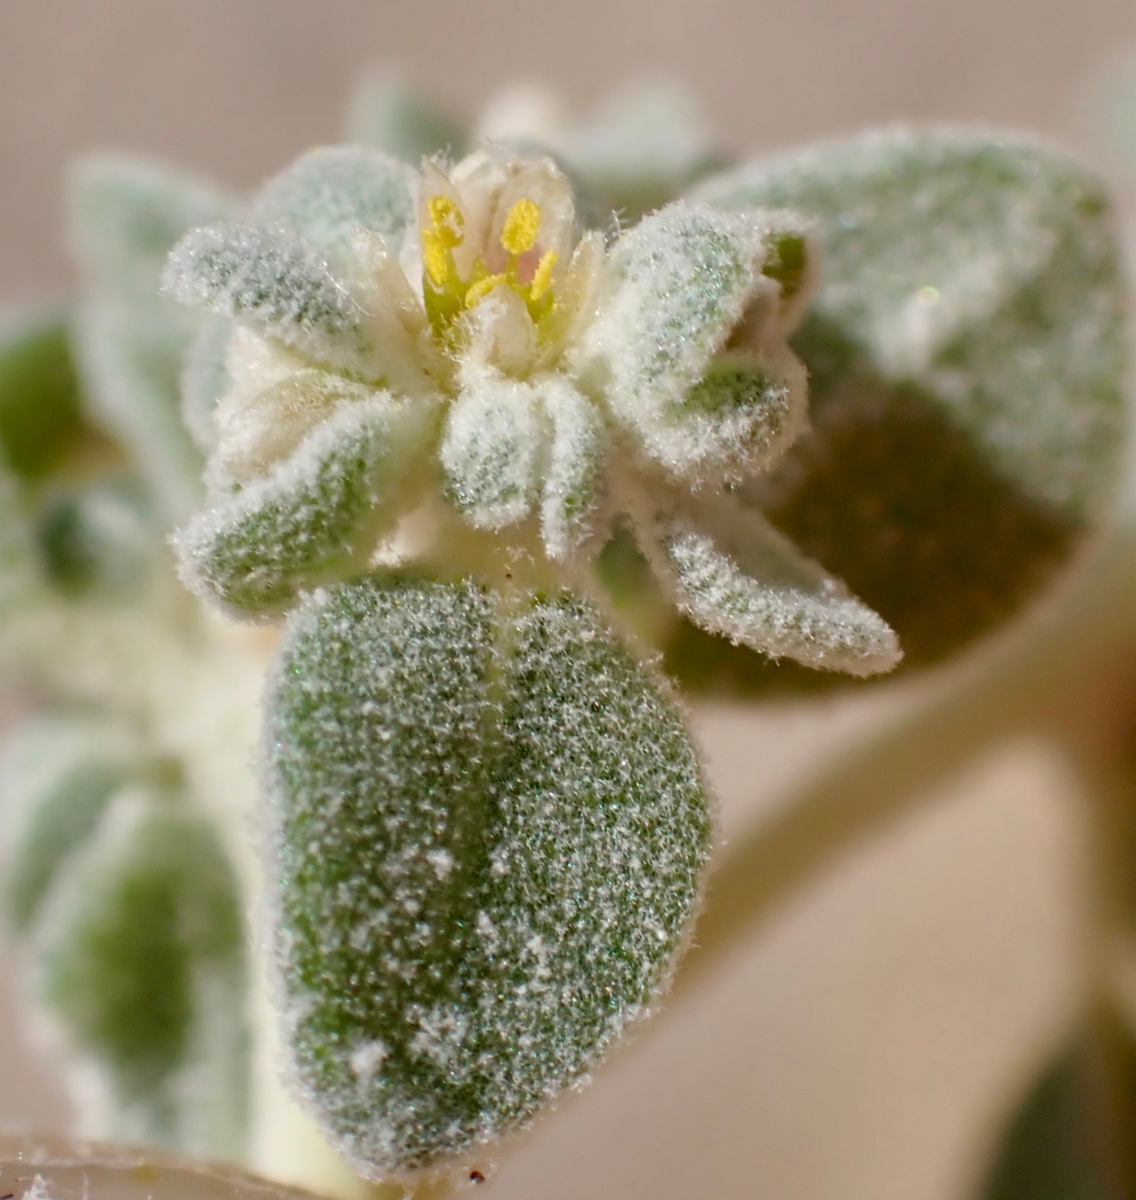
(966, 353)
(57, 775)
(683, 282)
(39, 394)
(332, 191)
(126, 214)
(273, 279)
(131, 366)
(748, 583)
(490, 451)
(140, 958)
(204, 379)
(573, 474)
(490, 828)
(385, 112)
(314, 518)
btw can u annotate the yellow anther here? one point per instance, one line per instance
(542, 276)
(521, 226)
(436, 258)
(482, 288)
(446, 220)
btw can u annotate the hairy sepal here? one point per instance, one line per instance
(489, 829)
(731, 573)
(314, 518)
(205, 379)
(573, 474)
(686, 286)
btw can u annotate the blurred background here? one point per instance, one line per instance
(873, 1036)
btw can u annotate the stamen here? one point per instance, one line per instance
(482, 288)
(436, 257)
(521, 227)
(446, 219)
(542, 276)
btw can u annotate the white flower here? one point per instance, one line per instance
(405, 339)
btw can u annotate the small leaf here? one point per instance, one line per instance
(575, 464)
(274, 279)
(332, 191)
(314, 518)
(131, 365)
(387, 113)
(490, 451)
(967, 355)
(126, 214)
(204, 379)
(57, 775)
(684, 283)
(40, 418)
(751, 585)
(491, 829)
(140, 958)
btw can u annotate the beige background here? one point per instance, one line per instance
(866, 1042)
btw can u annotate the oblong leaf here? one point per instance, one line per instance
(314, 518)
(490, 830)
(140, 960)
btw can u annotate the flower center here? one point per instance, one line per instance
(523, 266)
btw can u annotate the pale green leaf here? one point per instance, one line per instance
(491, 830)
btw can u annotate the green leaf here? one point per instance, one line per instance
(748, 583)
(140, 959)
(387, 113)
(125, 216)
(314, 518)
(131, 366)
(57, 775)
(40, 418)
(491, 829)
(685, 283)
(967, 354)
(332, 191)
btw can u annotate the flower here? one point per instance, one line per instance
(454, 342)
